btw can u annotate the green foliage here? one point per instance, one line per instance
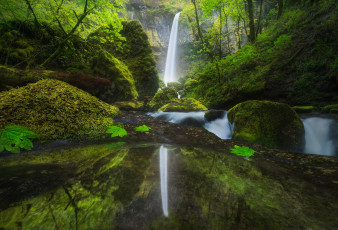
(142, 128)
(14, 137)
(116, 131)
(243, 151)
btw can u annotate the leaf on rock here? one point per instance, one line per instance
(243, 151)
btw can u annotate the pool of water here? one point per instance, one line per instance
(154, 186)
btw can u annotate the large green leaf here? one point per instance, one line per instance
(116, 131)
(142, 128)
(243, 151)
(14, 137)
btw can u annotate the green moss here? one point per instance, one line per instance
(162, 97)
(268, 123)
(111, 68)
(183, 105)
(56, 110)
(304, 109)
(330, 108)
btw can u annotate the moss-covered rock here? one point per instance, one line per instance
(130, 105)
(162, 97)
(109, 67)
(304, 109)
(183, 105)
(136, 53)
(56, 110)
(330, 108)
(269, 123)
(177, 85)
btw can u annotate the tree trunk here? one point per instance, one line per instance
(31, 9)
(251, 36)
(259, 18)
(64, 41)
(280, 8)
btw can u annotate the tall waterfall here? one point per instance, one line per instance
(164, 178)
(170, 65)
(317, 138)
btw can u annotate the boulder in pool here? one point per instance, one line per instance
(269, 123)
(183, 105)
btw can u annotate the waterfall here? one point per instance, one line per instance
(317, 138)
(170, 68)
(164, 178)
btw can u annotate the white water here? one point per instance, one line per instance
(220, 127)
(170, 65)
(317, 139)
(164, 179)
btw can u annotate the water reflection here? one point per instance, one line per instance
(164, 178)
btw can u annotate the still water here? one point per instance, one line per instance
(154, 186)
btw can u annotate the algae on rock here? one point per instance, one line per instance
(269, 123)
(56, 110)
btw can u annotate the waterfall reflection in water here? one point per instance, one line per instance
(164, 178)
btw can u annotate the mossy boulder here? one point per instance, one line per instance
(162, 97)
(56, 110)
(136, 53)
(177, 85)
(130, 105)
(123, 85)
(183, 105)
(269, 123)
(330, 109)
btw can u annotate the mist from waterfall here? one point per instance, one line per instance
(170, 65)
(164, 178)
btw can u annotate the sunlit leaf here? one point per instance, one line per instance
(116, 131)
(243, 151)
(142, 128)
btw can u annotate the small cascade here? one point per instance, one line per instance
(220, 127)
(164, 179)
(170, 65)
(317, 136)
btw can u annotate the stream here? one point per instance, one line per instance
(321, 132)
(155, 186)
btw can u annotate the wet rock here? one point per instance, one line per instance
(213, 115)
(269, 123)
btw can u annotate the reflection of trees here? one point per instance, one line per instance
(89, 201)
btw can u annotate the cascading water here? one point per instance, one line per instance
(170, 65)
(317, 138)
(221, 126)
(164, 179)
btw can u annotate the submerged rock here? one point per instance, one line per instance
(183, 105)
(269, 123)
(56, 110)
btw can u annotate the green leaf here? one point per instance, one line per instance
(14, 137)
(243, 151)
(116, 144)
(142, 128)
(116, 131)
